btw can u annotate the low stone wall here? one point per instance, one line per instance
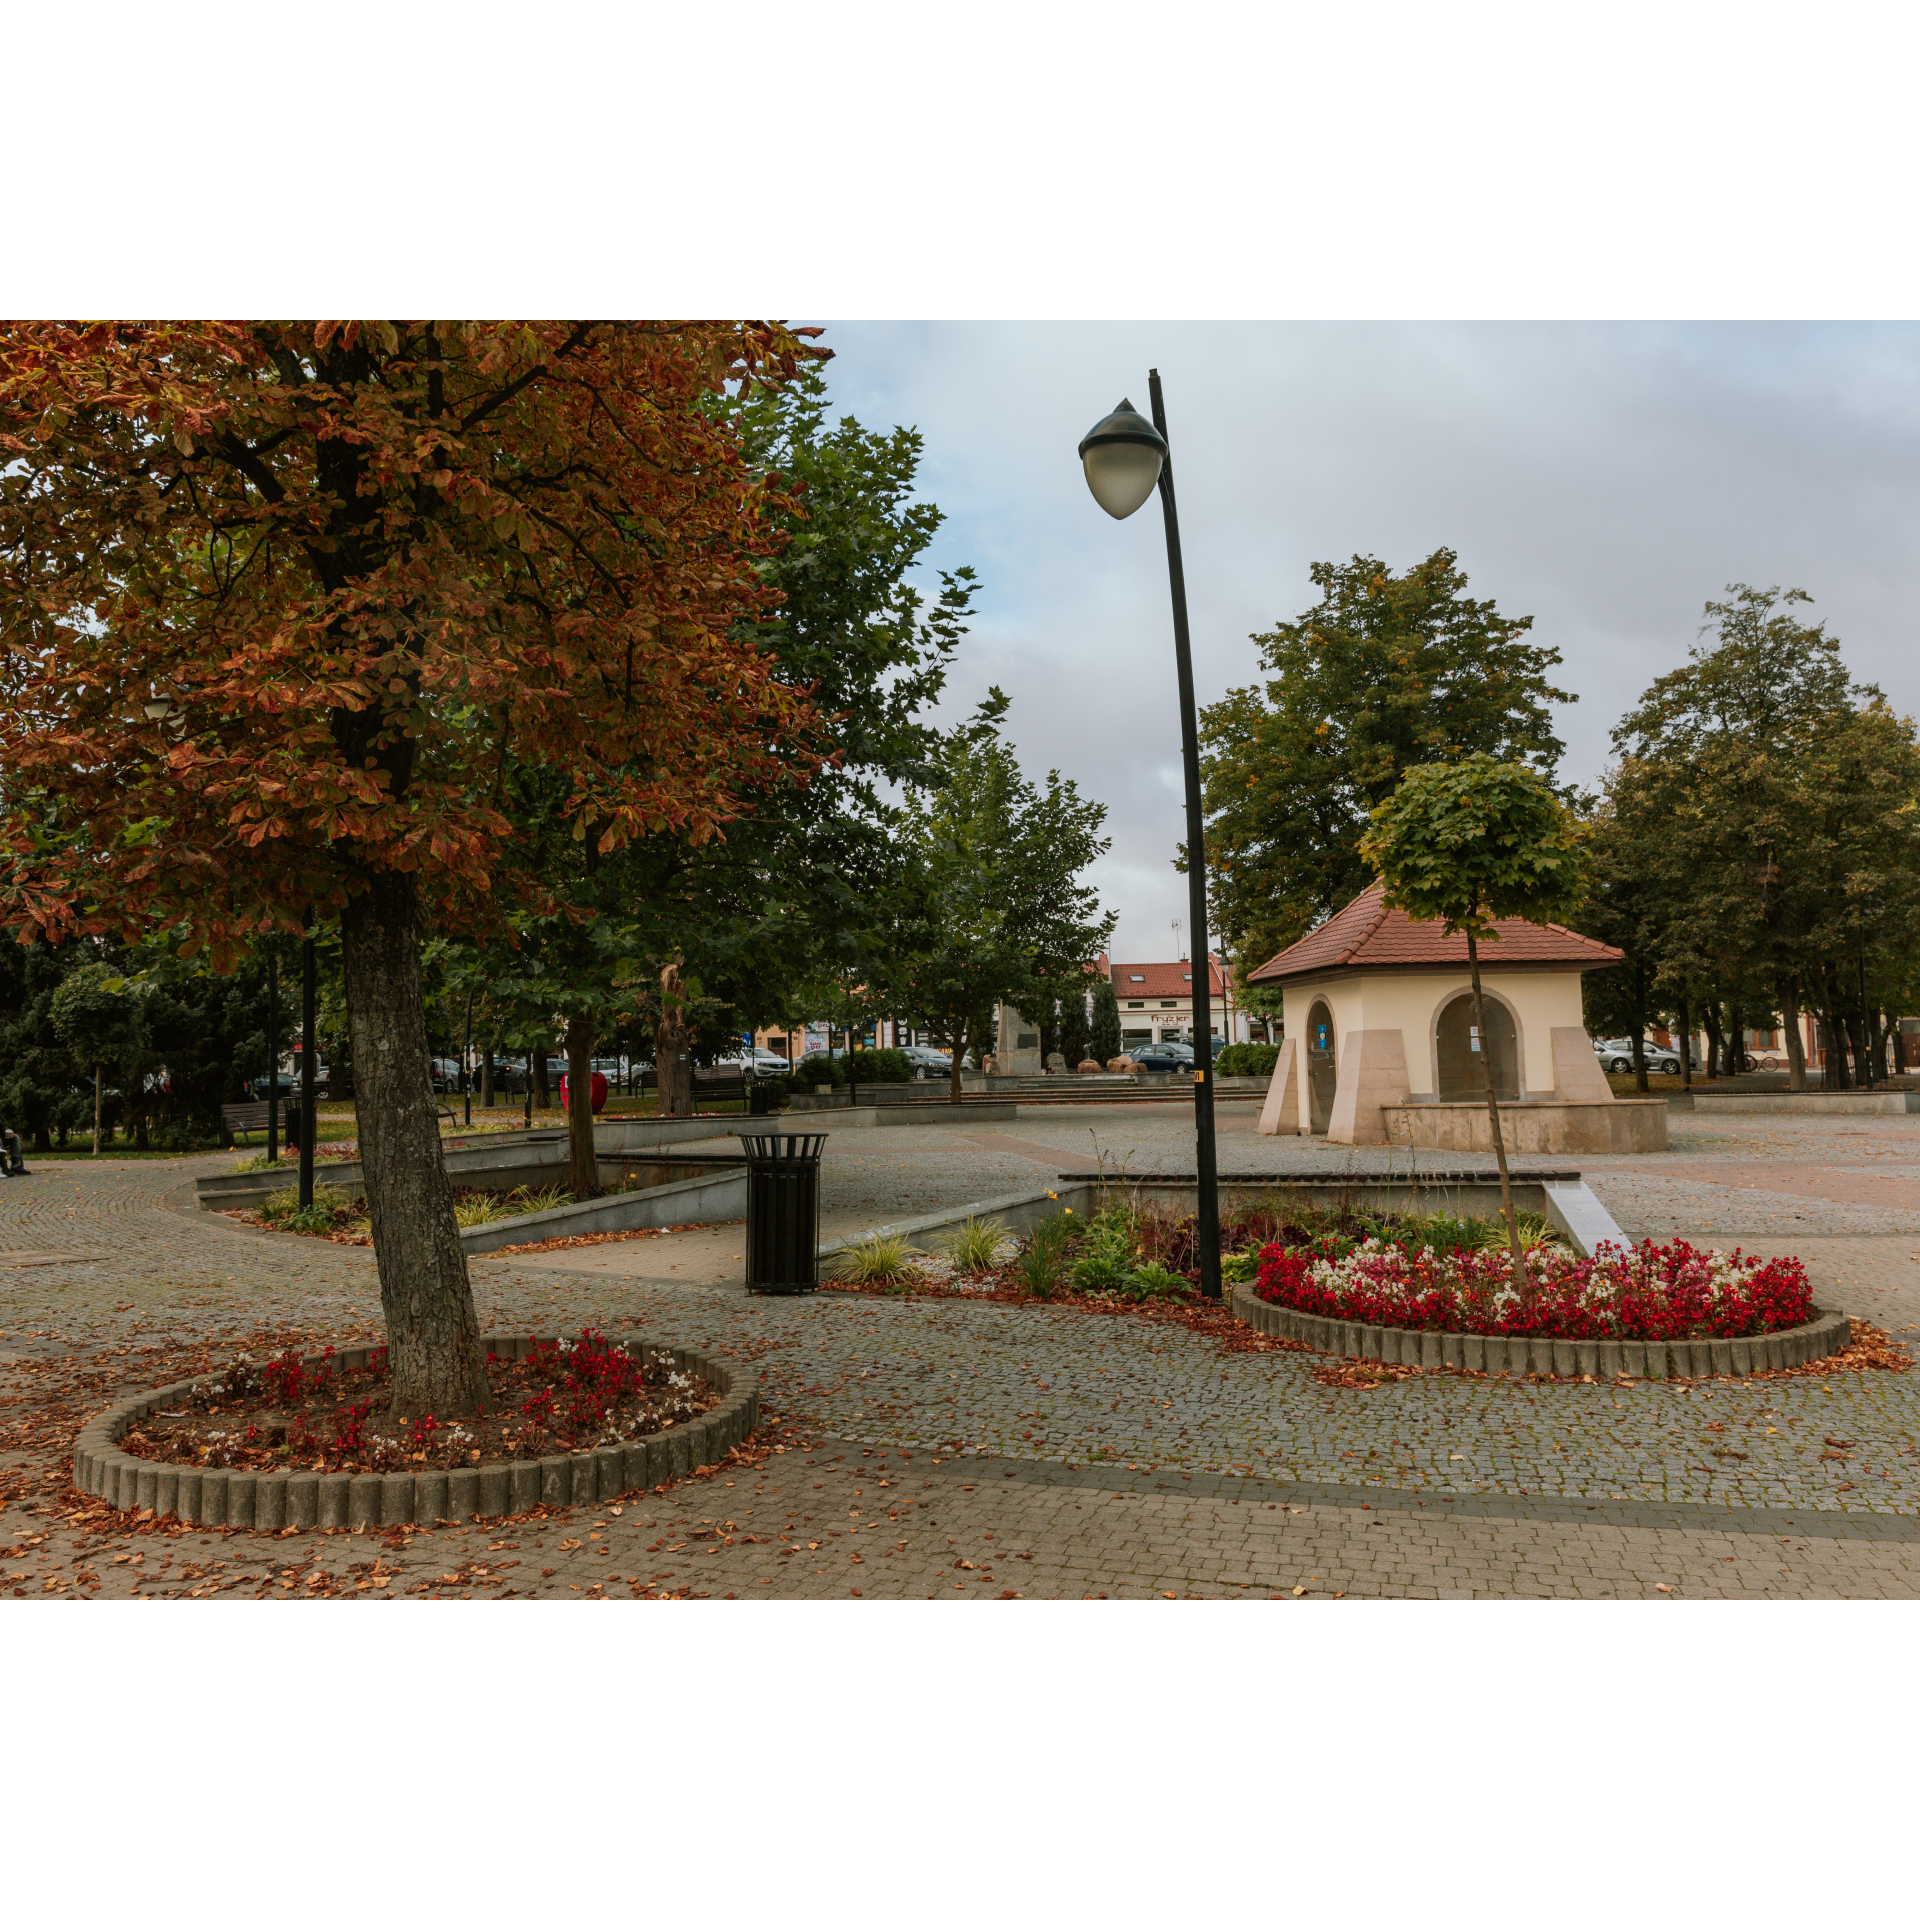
(1564, 1197)
(1865, 1100)
(702, 1196)
(269, 1502)
(1826, 1334)
(1530, 1126)
(498, 1165)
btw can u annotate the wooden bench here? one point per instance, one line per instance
(247, 1116)
(250, 1116)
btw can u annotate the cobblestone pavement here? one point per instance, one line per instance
(1060, 1452)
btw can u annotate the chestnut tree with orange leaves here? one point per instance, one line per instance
(365, 568)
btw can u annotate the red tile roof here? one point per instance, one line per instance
(1165, 979)
(1365, 934)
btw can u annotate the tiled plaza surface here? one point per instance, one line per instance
(963, 1449)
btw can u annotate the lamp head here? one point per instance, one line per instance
(1123, 456)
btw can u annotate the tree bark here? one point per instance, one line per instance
(582, 1164)
(1493, 1108)
(1788, 992)
(1716, 1050)
(433, 1333)
(486, 1077)
(542, 1087)
(1686, 1044)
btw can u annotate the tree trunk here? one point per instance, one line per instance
(1788, 992)
(1686, 1045)
(582, 1165)
(486, 1077)
(1848, 1025)
(1716, 1051)
(433, 1334)
(542, 1087)
(97, 1078)
(1493, 1108)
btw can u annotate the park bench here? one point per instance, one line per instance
(250, 1116)
(246, 1116)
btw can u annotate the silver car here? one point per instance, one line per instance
(1616, 1056)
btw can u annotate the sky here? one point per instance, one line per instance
(1607, 478)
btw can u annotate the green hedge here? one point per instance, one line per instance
(880, 1063)
(817, 1070)
(1247, 1057)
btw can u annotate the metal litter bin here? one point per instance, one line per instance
(783, 1210)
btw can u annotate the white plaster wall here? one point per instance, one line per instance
(1410, 1003)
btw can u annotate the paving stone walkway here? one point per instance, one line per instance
(1058, 1452)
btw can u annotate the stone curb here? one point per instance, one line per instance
(1826, 1334)
(272, 1502)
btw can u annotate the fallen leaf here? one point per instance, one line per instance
(1660, 1586)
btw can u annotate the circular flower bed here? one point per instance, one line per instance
(560, 1396)
(1649, 1292)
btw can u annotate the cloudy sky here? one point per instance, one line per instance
(1606, 478)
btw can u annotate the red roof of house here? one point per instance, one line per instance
(1165, 979)
(1364, 933)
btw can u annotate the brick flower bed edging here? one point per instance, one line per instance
(1825, 1334)
(270, 1502)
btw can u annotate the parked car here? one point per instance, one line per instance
(1163, 1056)
(928, 1061)
(1616, 1056)
(257, 1086)
(751, 1063)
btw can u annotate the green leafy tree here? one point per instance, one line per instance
(1075, 1034)
(990, 905)
(1469, 842)
(1389, 671)
(1106, 1022)
(1766, 805)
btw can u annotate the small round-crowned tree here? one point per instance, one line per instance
(1470, 842)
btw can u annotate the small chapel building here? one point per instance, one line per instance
(1381, 1044)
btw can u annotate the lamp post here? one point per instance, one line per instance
(307, 1116)
(1125, 457)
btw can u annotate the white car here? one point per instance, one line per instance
(758, 1063)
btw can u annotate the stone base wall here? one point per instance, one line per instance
(1533, 1126)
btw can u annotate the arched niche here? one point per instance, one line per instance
(1321, 1067)
(1458, 1074)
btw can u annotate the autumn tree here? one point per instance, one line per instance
(1389, 671)
(1469, 842)
(281, 600)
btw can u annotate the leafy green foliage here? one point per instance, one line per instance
(991, 905)
(1389, 671)
(1104, 1042)
(817, 1070)
(1250, 1057)
(1042, 1262)
(1475, 840)
(1760, 835)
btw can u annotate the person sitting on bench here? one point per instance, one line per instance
(11, 1163)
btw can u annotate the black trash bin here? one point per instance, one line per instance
(291, 1115)
(783, 1210)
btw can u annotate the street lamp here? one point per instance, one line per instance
(1125, 458)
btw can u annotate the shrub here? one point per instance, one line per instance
(817, 1070)
(880, 1063)
(1247, 1057)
